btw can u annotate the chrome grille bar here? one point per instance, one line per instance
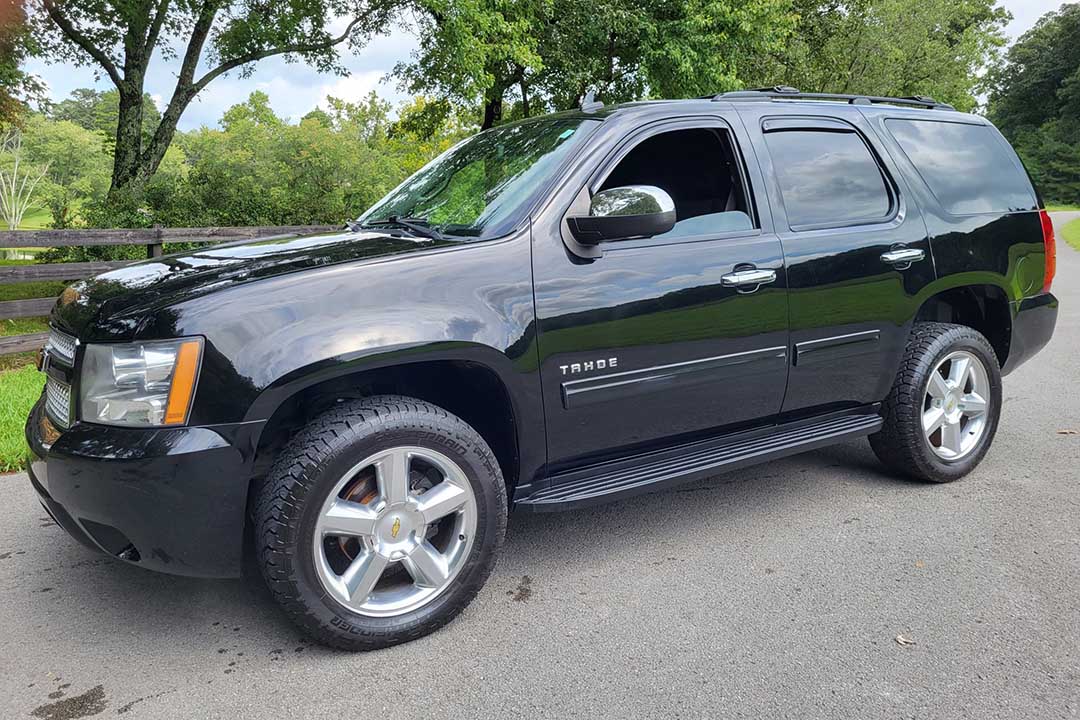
(61, 347)
(58, 403)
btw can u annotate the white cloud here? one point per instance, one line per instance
(352, 88)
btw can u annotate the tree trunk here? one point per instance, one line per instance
(524, 98)
(493, 108)
(164, 133)
(128, 152)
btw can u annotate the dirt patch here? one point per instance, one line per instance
(523, 591)
(89, 703)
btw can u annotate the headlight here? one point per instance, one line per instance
(142, 384)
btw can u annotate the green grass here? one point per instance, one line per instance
(23, 326)
(37, 289)
(19, 390)
(36, 219)
(1063, 208)
(1071, 234)
(17, 361)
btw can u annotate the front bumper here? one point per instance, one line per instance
(169, 499)
(1033, 322)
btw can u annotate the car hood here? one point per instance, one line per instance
(112, 306)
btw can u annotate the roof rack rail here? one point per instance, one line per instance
(786, 92)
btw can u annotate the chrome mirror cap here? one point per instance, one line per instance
(624, 213)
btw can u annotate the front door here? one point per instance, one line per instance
(669, 338)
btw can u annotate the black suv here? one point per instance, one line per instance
(553, 313)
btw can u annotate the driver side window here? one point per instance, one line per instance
(698, 168)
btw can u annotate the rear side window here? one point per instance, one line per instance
(967, 167)
(828, 178)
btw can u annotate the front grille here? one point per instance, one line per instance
(58, 402)
(62, 346)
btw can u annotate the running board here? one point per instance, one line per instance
(658, 470)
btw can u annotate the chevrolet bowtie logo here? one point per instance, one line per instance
(396, 528)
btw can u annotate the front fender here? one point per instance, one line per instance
(270, 338)
(516, 377)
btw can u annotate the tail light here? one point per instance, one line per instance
(1051, 250)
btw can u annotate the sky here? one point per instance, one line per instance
(295, 89)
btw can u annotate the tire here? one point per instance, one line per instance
(308, 570)
(956, 448)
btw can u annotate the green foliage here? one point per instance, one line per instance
(203, 41)
(1036, 102)
(78, 165)
(99, 111)
(258, 169)
(887, 47)
(17, 87)
(19, 390)
(545, 54)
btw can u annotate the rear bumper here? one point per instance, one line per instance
(171, 500)
(1033, 324)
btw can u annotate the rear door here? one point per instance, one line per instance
(655, 340)
(856, 250)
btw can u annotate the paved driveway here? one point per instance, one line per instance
(776, 591)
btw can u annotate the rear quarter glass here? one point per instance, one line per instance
(967, 166)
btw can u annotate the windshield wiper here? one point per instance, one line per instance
(417, 226)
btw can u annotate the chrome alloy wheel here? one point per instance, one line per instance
(395, 531)
(955, 408)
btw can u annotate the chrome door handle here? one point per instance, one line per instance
(903, 256)
(743, 278)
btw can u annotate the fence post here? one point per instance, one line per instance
(155, 249)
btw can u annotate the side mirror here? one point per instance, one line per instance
(632, 211)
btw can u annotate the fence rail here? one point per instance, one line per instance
(152, 238)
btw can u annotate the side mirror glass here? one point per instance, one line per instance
(622, 213)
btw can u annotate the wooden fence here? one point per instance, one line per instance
(152, 238)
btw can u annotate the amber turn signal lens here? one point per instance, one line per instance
(183, 383)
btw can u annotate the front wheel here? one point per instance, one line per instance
(943, 409)
(380, 522)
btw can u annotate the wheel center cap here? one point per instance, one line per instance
(397, 530)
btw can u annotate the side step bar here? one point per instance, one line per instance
(658, 470)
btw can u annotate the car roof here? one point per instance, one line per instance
(674, 108)
(780, 104)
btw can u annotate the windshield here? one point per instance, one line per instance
(481, 186)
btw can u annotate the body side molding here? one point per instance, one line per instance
(839, 346)
(619, 385)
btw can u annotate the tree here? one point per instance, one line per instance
(100, 111)
(78, 163)
(545, 54)
(18, 180)
(888, 47)
(17, 87)
(120, 38)
(1036, 102)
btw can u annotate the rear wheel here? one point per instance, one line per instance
(380, 522)
(943, 409)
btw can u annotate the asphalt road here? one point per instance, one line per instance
(777, 591)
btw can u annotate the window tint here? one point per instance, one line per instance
(967, 167)
(828, 178)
